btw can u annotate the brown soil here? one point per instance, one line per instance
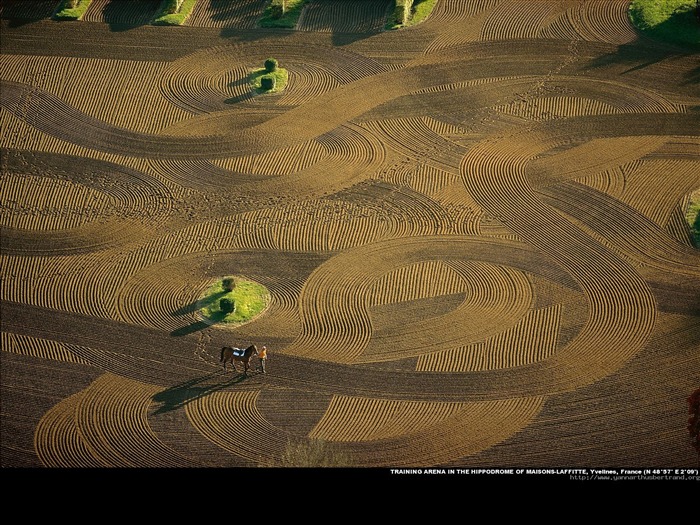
(472, 231)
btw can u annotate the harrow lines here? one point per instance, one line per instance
(622, 308)
(404, 433)
(38, 347)
(603, 21)
(407, 283)
(533, 339)
(58, 441)
(239, 14)
(413, 137)
(457, 22)
(99, 88)
(23, 10)
(496, 298)
(624, 228)
(285, 161)
(232, 421)
(112, 418)
(368, 419)
(590, 158)
(56, 118)
(656, 186)
(359, 16)
(67, 283)
(335, 301)
(131, 12)
(509, 20)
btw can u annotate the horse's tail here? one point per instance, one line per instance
(222, 354)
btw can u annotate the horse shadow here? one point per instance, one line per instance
(180, 395)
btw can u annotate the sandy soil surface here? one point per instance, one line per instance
(472, 231)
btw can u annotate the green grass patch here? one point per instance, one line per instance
(280, 75)
(409, 13)
(250, 299)
(66, 12)
(169, 15)
(693, 216)
(671, 21)
(273, 16)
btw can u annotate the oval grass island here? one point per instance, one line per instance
(233, 301)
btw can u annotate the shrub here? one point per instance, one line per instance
(267, 82)
(271, 65)
(228, 284)
(227, 305)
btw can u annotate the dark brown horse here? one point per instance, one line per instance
(232, 355)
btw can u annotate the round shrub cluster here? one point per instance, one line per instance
(227, 305)
(271, 65)
(267, 83)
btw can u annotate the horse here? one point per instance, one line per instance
(232, 355)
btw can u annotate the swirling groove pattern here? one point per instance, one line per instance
(472, 231)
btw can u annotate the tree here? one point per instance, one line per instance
(271, 65)
(227, 305)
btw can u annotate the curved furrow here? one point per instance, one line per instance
(623, 228)
(239, 14)
(622, 308)
(37, 347)
(68, 283)
(604, 21)
(60, 208)
(457, 22)
(285, 161)
(129, 13)
(417, 281)
(122, 84)
(55, 117)
(215, 78)
(232, 421)
(412, 137)
(112, 418)
(656, 185)
(531, 340)
(307, 81)
(495, 299)
(359, 16)
(589, 158)
(58, 441)
(335, 301)
(510, 21)
(165, 293)
(380, 433)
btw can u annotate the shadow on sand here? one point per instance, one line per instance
(180, 395)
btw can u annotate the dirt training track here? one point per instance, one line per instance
(472, 231)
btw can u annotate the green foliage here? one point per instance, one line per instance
(271, 65)
(246, 300)
(257, 77)
(267, 82)
(228, 284)
(169, 15)
(71, 9)
(314, 453)
(227, 305)
(672, 21)
(275, 16)
(408, 13)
